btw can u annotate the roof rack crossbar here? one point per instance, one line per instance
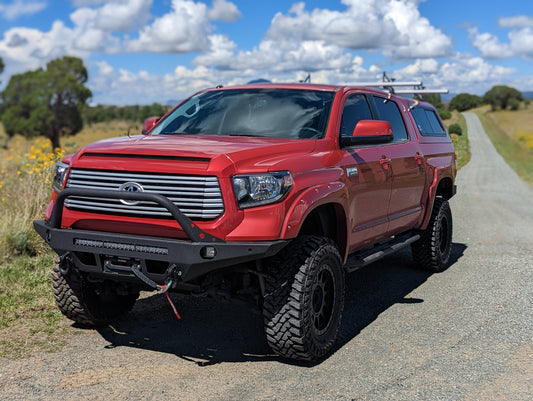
(420, 91)
(388, 84)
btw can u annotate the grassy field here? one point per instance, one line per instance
(29, 319)
(511, 133)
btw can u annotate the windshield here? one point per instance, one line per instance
(277, 113)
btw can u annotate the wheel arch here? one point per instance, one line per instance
(445, 188)
(327, 220)
(320, 211)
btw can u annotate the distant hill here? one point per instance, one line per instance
(260, 81)
(527, 95)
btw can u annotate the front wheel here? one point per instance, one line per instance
(304, 299)
(86, 302)
(432, 251)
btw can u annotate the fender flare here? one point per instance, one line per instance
(431, 199)
(307, 201)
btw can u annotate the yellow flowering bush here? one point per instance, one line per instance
(526, 138)
(25, 182)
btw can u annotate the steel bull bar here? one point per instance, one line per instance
(114, 254)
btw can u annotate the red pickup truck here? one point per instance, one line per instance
(267, 192)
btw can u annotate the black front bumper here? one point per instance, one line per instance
(112, 254)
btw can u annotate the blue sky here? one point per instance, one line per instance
(144, 51)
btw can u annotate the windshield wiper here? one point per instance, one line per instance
(252, 135)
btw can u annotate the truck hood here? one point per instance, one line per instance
(252, 153)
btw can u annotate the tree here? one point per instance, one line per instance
(465, 101)
(436, 100)
(501, 95)
(47, 101)
(433, 98)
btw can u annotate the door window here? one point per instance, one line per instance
(355, 109)
(389, 111)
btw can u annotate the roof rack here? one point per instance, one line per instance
(390, 85)
(418, 87)
(421, 91)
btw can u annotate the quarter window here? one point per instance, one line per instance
(427, 122)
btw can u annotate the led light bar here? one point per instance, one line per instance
(121, 246)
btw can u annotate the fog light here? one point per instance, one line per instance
(208, 252)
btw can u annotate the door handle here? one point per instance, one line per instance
(384, 162)
(419, 158)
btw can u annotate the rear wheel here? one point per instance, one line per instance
(432, 251)
(88, 303)
(304, 299)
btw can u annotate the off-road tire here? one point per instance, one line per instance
(432, 251)
(86, 303)
(304, 299)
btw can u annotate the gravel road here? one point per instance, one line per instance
(464, 334)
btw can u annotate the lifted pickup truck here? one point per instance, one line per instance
(266, 192)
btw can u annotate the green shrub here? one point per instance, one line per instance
(514, 104)
(444, 114)
(455, 129)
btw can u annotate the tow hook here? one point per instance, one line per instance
(160, 289)
(65, 263)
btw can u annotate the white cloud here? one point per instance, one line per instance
(184, 29)
(84, 3)
(520, 43)
(27, 48)
(223, 10)
(420, 68)
(464, 73)
(489, 45)
(318, 40)
(18, 8)
(112, 86)
(394, 26)
(114, 16)
(220, 53)
(519, 21)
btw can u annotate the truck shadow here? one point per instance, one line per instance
(212, 331)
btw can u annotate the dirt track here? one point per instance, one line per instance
(466, 333)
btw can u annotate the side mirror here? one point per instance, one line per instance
(149, 123)
(369, 132)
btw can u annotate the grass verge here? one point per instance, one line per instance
(515, 151)
(29, 319)
(460, 142)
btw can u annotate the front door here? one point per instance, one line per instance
(367, 177)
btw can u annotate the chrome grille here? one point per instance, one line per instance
(198, 197)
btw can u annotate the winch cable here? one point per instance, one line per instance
(161, 289)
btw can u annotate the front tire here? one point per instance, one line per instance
(432, 251)
(88, 303)
(304, 299)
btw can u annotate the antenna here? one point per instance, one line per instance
(307, 79)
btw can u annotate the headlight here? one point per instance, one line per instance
(60, 171)
(260, 189)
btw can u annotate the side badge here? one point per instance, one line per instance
(351, 171)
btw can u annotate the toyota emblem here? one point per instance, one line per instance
(131, 187)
